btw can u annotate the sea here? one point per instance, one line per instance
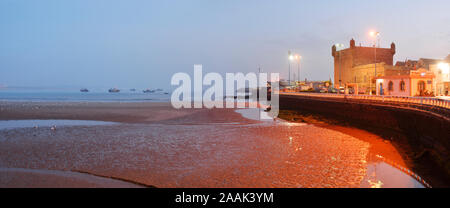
(74, 95)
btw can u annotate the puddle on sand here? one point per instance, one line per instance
(13, 124)
(383, 175)
(260, 115)
(254, 114)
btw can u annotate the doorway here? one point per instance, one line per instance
(381, 89)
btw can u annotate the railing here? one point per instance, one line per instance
(416, 102)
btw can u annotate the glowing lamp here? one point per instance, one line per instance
(444, 67)
(374, 33)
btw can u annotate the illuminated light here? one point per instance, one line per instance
(374, 33)
(375, 184)
(444, 67)
(291, 57)
(422, 74)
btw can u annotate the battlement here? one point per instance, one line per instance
(362, 55)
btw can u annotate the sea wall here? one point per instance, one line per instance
(426, 134)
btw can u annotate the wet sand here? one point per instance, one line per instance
(156, 145)
(35, 178)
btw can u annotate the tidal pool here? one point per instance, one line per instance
(384, 175)
(13, 124)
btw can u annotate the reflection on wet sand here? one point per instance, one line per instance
(381, 172)
(198, 148)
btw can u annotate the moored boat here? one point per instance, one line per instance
(148, 91)
(113, 90)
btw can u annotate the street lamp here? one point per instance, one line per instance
(291, 57)
(298, 57)
(376, 35)
(444, 67)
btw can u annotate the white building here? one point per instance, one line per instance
(442, 81)
(416, 83)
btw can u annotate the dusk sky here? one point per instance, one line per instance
(141, 44)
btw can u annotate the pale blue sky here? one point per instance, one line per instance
(106, 43)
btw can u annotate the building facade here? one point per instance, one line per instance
(357, 66)
(442, 80)
(416, 83)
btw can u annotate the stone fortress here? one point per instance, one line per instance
(357, 68)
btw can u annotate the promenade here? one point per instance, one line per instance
(432, 104)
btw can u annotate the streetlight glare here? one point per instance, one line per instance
(444, 67)
(374, 33)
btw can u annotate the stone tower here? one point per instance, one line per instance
(345, 60)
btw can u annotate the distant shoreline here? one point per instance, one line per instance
(76, 96)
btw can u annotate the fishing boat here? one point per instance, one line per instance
(148, 91)
(113, 90)
(84, 90)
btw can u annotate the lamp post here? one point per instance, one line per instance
(290, 57)
(298, 57)
(375, 35)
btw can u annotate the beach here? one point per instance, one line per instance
(151, 144)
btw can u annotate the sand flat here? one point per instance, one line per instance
(157, 145)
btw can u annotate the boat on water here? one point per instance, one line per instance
(132, 90)
(148, 91)
(84, 90)
(159, 89)
(113, 90)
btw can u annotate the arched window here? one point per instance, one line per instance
(402, 86)
(391, 86)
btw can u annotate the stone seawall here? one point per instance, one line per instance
(425, 135)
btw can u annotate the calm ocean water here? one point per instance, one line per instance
(77, 96)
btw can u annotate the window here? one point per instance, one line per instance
(391, 86)
(381, 89)
(402, 86)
